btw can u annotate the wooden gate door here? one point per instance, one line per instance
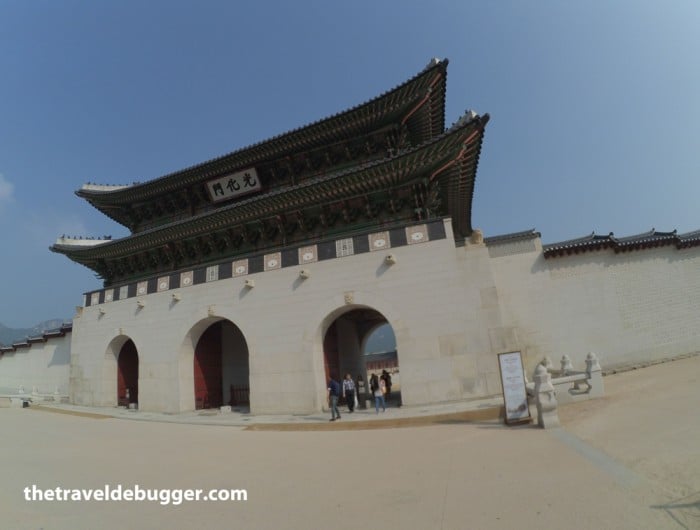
(128, 374)
(208, 375)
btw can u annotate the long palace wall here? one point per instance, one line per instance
(44, 366)
(628, 307)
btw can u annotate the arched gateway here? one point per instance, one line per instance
(220, 367)
(344, 344)
(121, 373)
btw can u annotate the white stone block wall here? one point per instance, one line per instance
(628, 307)
(43, 365)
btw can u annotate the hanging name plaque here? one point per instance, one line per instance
(234, 185)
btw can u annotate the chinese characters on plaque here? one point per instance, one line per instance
(234, 185)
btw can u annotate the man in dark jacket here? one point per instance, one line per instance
(386, 377)
(333, 394)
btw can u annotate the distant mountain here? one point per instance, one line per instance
(10, 335)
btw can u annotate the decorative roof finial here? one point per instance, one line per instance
(433, 62)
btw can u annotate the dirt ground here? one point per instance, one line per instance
(630, 460)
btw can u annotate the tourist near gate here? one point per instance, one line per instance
(249, 279)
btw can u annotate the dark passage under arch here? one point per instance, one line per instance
(128, 374)
(221, 367)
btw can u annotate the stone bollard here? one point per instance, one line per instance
(592, 364)
(547, 363)
(566, 366)
(595, 376)
(546, 399)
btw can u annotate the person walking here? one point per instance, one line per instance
(373, 383)
(386, 377)
(333, 393)
(349, 392)
(379, 391)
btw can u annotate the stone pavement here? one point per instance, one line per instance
(627, 461)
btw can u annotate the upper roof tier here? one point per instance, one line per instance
(414, 110)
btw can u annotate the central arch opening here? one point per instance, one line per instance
(361, 342)
(221, 369)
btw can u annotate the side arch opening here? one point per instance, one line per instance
(221, 367)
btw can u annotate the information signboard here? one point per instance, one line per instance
(514, 392)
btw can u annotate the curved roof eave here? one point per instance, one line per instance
(318, 132)
(145, 239)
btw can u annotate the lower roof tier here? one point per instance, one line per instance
(430, 181)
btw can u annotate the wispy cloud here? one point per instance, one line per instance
(6, 189)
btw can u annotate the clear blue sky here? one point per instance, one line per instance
(595, 108)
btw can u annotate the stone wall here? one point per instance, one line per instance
(452, 308)
(627, 307)
(41, 365)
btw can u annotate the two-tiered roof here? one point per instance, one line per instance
(384, 163)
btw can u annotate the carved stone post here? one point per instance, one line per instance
(566, 366)
(595, 375)
(592, 364)
(546, 399)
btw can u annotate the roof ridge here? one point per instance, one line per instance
(651, 238)
(431, 66)
(523, 234)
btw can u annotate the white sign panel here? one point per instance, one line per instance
(234, 185)
(514, 392)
